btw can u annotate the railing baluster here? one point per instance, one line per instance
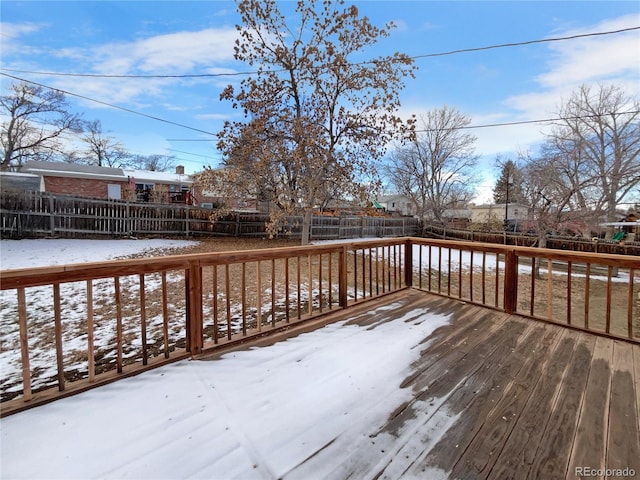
(243, 297)
(396, 267)
(355, 275)
(378, 271)
(214, 270)
(24, 345)
(587, 291)
(299, 311)
(608, 314)
(471, 277)
(632, 273)
(364, 274)
(460, 273)
(429, 270)
(273, 292)
(258, 297)
(420, 247)
(484, 276)
(310, 284)
(330, 274)
(143, 320)
(550, 289)
(91, 362)
(227, 294)
(384, 279)
(532, 298)
(370, 272)
(497, 286)
(165, 315)
(569, 293)
(118, 297)
(286, 289)
(58, 335)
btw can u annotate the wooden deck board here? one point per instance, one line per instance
(623, 442)
(499, 396)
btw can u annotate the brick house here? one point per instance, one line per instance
(79, 180)
(112, 183)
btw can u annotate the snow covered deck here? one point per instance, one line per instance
(409, 386)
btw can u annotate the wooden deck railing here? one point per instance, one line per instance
(599, 293)
(72, 327)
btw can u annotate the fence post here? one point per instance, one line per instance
(510, 298)
(342, 277)
(52, 220)
(186, 220)
(408, 263)
(193, 280)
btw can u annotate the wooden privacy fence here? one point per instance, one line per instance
(69, 328)
(32, 214)
(528, 240)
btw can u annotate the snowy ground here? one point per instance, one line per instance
(47, 252)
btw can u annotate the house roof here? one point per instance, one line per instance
(75, 170)
(497, 206)
(457, 213)
(159, 177)
(63, 169)
(391, 198)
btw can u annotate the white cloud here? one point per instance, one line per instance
(10, 39)
(611, 59)
(175, 53)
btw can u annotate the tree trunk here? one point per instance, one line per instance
(306, 226)
(542, 243)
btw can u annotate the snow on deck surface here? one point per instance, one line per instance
(257, 413)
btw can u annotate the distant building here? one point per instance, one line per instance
(457, 217)
(24, 182)
(398, 204)
(496, 213)
(111, 183)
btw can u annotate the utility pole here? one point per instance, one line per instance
(506, 205)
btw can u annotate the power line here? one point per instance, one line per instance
(542, 120)
(414, 57)
(118, 107)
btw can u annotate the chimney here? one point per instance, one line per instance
(180, 170)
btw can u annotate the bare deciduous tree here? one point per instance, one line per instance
(102, 150)
(318, 115)
(37, 117)
(600, 132)
(152, 163)
(435, 169)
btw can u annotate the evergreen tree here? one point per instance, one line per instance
(511, 177)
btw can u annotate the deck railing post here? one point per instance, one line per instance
(342, 277)
(194, 308)
(510, 298)
(408, 263)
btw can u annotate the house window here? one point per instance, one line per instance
(114, 191)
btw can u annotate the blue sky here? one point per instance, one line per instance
(196, 37)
